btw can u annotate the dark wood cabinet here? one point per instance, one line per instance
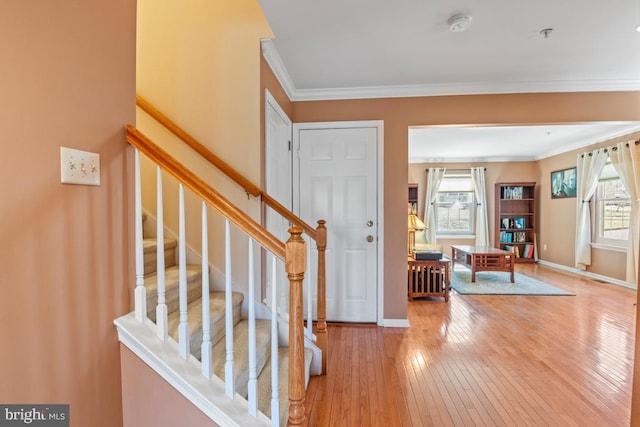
(515, 216)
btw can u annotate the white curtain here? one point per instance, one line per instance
(625, 159)
(434, 178)
(482, 225)
(589, 167)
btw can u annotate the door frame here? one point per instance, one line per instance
(379, 125)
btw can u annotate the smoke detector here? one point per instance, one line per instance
(459, 22)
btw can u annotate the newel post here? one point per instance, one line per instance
(295, 265)
(321, 329)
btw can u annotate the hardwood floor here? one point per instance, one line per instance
(487, 361)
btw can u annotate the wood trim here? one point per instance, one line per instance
(224, 167)
(216, 161)
(202, 189)
(295, 266)
(290, 216)
(321, 327)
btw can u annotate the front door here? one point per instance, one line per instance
(337, 181)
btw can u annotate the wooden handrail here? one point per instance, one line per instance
(199, 148)
(247, 185)
(287, 214)
(202, 189)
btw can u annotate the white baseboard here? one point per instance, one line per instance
(588, 274)
(396, 323)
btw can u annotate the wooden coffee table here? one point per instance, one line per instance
(482, 258)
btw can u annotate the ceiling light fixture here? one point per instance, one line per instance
(459, 22)
(546, 32)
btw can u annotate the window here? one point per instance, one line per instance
(455, 205)
(613, 204)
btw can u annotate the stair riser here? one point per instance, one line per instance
(217, 328)
(172, 295)
(151, 260)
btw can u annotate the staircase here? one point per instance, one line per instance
(217, 327)
(170, 328)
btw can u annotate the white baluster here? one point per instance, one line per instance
(283, 303)
(161, 308)
(253, 369)
(183, 327)
(140, 293)
(229, 379)
(275, 386)
(307, 278)
(206, 312)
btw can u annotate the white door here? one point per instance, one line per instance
(337, 181)
(278, 169)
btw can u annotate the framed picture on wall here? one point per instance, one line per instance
(563, 183)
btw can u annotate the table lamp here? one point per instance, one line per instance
(413, 224)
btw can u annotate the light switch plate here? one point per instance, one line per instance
(79, 167)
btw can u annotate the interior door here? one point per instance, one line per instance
(278, 170)
(337, 181)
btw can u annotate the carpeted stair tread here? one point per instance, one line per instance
(264, 383)
(172, 286)
(194, 317)
(150, 249)
(241, 353)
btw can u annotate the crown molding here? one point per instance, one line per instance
(563, 149)
(272, 57)
(449, 89)
(274, 61)
(590, 141)
(494, 159)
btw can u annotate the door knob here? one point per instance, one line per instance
(369, 223)
(369, 238)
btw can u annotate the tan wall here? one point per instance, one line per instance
(557, 220)
(400, 113)
(67, 79)
(150, 401)
(199, 63)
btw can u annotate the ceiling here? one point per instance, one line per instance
(336, 49)
(507, 143)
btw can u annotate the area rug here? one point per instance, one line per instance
(495, 283)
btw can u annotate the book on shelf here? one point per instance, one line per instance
(506, 237)
(513, 223)
(512, 193)
(527, 252)
(520, 236)
(513, 249)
